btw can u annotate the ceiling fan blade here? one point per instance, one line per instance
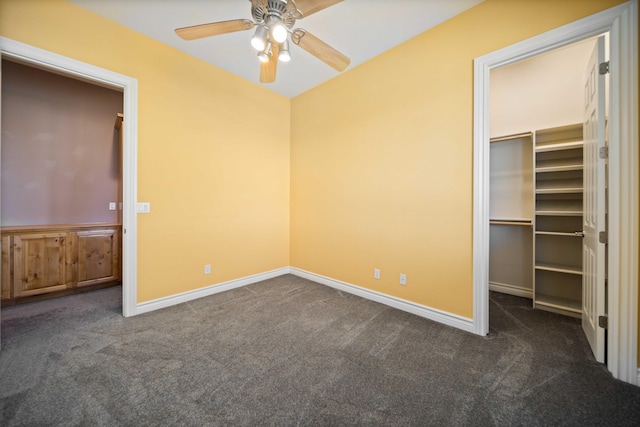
(214, 29)
(268, 69)
(320, 49)
(307, 7)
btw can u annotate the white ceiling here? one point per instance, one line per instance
(360, 29)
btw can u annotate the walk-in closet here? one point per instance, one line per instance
(539, 164)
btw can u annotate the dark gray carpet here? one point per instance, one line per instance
(290, 352)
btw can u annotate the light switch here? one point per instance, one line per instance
(112, 206)
(144, 207)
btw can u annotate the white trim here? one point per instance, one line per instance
(622, 24)
(70, 67)
(165, 302)
(481, 180)
(439, 316)
(622, 333)
(518, 291)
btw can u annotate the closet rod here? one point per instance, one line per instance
(510, 137)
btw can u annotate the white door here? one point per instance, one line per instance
(593, 253)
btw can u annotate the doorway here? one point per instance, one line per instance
(55, 63)
(61, 230)
(621, 22)
(539, 160)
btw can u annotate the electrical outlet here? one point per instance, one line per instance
(376, 273)
(207, 269)
(403, 279)
(112, 206)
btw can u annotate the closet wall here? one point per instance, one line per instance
(542, 92)
(59, 149)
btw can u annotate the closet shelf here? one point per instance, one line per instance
(521, 222)
(559, 268)
(558, 147)
(511, 137)
(559, 303)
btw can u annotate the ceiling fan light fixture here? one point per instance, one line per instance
(264, 55)
(274, 22)
(277, 29)
(284, 55)
(259, 39)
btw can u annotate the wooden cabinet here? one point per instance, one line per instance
(97, 254)
(5, 284)
(40, 264)
(58, 259)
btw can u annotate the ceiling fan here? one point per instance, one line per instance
(274, 20)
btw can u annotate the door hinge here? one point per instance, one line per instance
(603, 321)
(604, 68)
(604, 152)
(603, 237)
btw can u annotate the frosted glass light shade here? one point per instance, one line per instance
(278, 32)
(259, 39)
(284, 55)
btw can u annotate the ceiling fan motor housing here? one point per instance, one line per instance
(261, 10)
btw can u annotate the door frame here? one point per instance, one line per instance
(621, 22)
(69, 67)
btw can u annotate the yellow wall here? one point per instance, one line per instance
(382, 157)
(213, 150)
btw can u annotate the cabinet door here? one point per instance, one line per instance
(39, 263)
(98, 256)
(5, 287)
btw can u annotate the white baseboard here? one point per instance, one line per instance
(439, 316)
(504, 288)
(159, 303)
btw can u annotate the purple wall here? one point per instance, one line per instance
(59, 149)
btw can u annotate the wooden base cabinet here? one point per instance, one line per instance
(58, 259)
(5, 283)
(98, 256)
(40, 264)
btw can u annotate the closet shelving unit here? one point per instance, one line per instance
(558, 220)
(511, 215)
